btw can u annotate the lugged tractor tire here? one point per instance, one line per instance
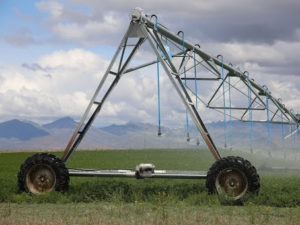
(234, 179)
(43, 173)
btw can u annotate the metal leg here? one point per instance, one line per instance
(86, 121)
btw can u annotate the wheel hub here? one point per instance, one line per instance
(232, 183)
(41, 179)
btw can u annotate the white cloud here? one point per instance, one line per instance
(53, 7)
(90, 30)
(73, 104)
(74, 75)
(74, 59)
(287, 89)
(27, 103)
(16, 81)
(279, 58)
(79, 24)
(28, 91)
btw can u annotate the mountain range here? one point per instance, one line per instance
(21, 130)
(26, 135)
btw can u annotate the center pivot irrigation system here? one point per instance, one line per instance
(232, 178)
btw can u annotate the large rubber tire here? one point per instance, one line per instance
(234, 179)
(42, 173)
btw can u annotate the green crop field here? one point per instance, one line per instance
(148, 201)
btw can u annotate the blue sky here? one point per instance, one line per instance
(26, 36)
(53, 53)
(11, 23)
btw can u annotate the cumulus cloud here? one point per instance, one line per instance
(260, 35)
(22, 96)
(92, 23)
(280, 57)
(75, 74)
(55, 8)
(80, 24)
(90, 32)
(244, 21)
(27, 89)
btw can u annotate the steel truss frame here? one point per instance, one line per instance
(143, 29)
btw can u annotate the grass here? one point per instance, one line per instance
(128, 159)
(144, 213)
(147, 201)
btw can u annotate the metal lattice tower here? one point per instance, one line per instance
(233, 91)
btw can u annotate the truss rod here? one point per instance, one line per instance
(174, 76)
(138, 16)
(147, 64)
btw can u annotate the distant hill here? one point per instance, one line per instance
(16, 134)
(65, 122)
(129, 127)
(20, 130)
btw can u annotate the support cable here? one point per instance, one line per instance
(268, 118)
(230, 111)
(195, 75)
(294, 130)
(196, 84)
(250, 110)
(185, 84)
(282, 133)
(224, 101)
(159, 133)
